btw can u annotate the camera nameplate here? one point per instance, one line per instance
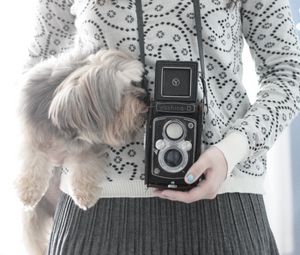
(171, 107)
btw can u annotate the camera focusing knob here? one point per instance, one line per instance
(186, 146)
(160, 144)
(190, 125)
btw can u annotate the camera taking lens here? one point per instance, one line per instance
(173, 157)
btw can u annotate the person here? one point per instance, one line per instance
(225, 213)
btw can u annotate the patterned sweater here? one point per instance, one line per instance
(244, 132)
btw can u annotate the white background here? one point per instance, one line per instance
(16, 26)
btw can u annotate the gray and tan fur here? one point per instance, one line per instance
(72, 106)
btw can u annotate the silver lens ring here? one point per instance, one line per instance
(174, 130)
(168, 168)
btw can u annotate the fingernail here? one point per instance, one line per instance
(190, 178)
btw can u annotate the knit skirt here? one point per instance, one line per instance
(232, 223)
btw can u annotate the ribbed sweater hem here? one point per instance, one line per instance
(137, 188)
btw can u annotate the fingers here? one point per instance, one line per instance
(204, 190)
(197, 169)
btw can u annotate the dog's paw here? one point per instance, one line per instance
(87, 197)
(30, 193)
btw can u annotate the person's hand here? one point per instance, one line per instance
(213, 165)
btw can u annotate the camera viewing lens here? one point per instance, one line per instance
(173, 158)
(174, 131)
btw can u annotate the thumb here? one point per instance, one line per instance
(197, 169)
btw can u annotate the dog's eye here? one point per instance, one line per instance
(73, 134)
(136, 84)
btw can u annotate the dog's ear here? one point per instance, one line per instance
(69, 108)
(131, 71)
(86, 100)
(127, 68)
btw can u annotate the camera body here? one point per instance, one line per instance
(174, 125)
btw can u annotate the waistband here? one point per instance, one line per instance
(137, 188)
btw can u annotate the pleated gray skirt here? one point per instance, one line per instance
(232, 223)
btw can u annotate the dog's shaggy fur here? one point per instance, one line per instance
(73, 106)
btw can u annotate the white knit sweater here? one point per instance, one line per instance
(244, 132)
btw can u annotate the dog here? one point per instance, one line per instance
(73, 106)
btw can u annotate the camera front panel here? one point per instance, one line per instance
(172, 144)
(172, 149)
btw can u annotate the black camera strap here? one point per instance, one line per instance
(139, 12)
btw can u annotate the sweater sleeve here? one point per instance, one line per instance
(235, 149)
(54, 31)
(271, 35)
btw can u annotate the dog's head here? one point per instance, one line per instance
(100, 101)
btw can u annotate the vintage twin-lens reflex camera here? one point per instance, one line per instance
(174, 126)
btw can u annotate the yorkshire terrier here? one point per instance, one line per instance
(72, 106)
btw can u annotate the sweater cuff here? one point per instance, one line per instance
(235, 149)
